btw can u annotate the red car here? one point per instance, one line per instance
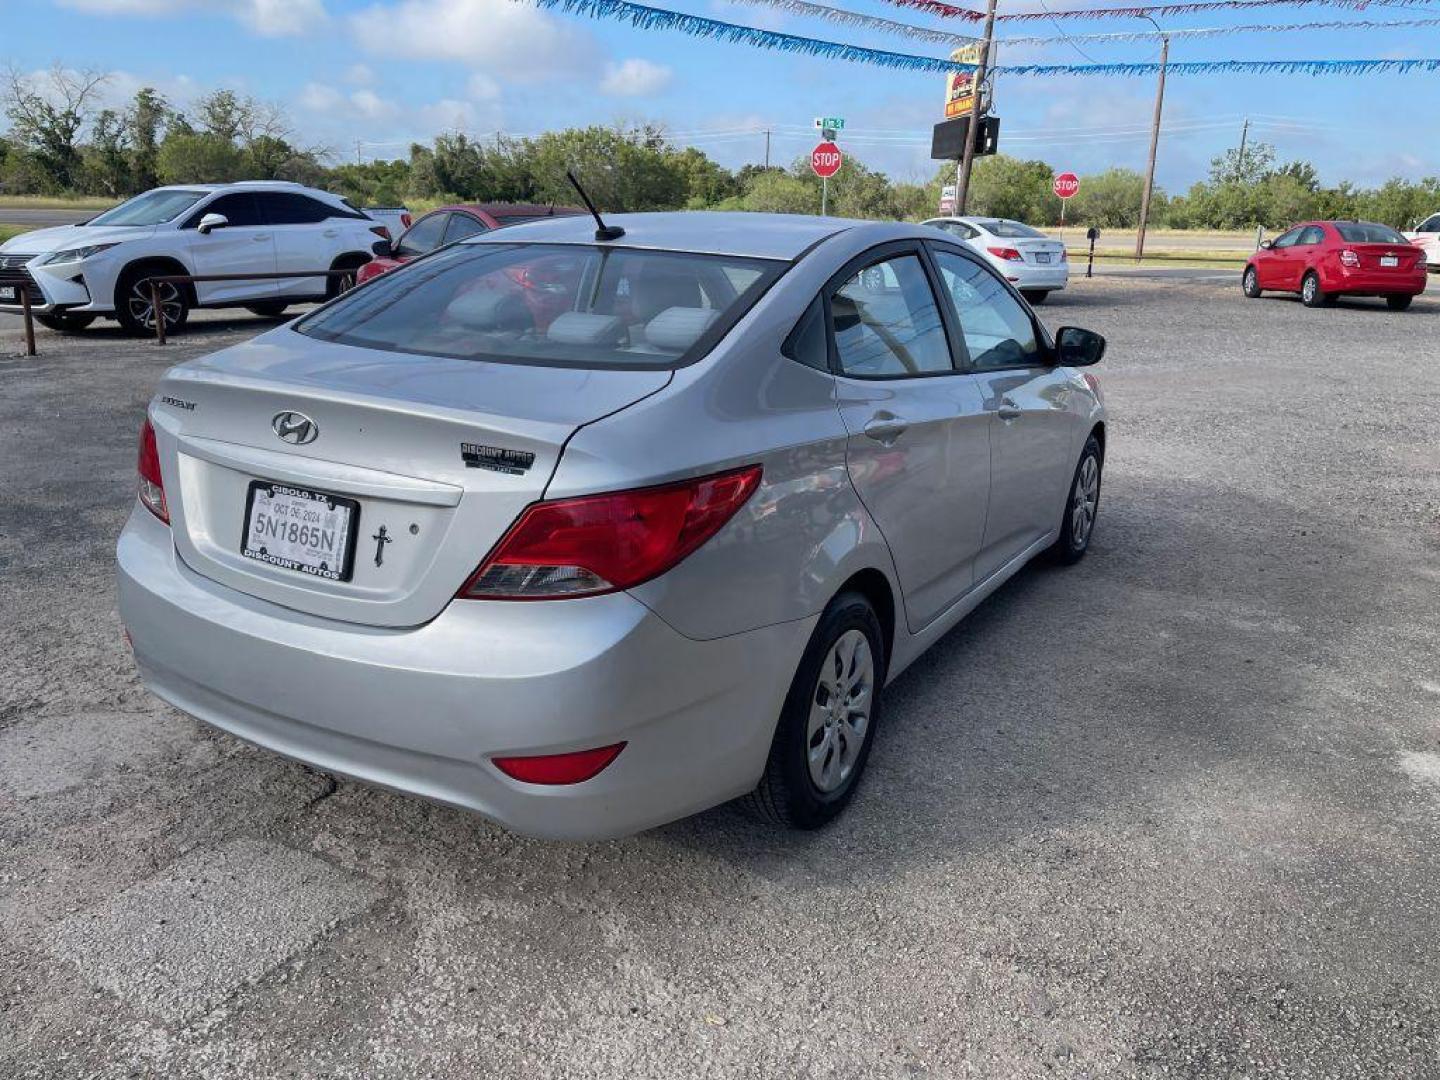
(1324, 259)
(451, 223)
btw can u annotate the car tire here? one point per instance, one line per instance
(1398, 303)
(1250, 283)
(1082, 506)
(270, 309)
(336, 285)
(1035, 297)
(1311, 295)
(132, 302)
(815, 763)
(64, 322)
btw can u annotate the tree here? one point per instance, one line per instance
(143, 121)
(107, 157)
(47, 114)
(1250, 167)
(1003, 186)
(199, 158)
(1112, 198)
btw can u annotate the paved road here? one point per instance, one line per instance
(42, 219)
(1174, 812)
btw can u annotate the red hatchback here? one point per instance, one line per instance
(451, 223)
(1324, 259)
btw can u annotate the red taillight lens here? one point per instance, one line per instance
(382, 231)
(1008, 254)
(1064, 255)
(573, 768)
(150, 486)
(1349, 258)
(601, 543)
(405, 220)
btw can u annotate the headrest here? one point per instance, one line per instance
(585, 328)
(676, 329)
(488, 309)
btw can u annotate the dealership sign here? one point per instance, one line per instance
(959, 85)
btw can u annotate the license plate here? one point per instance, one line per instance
(302, 530)
(9, 294)
(1042, 256)
(1389, 260)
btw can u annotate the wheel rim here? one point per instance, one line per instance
(1309, 288)
(139, 303)
(840, 711)
(1249, 281)
(1084, 500)
(346, 283)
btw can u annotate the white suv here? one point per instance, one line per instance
(1426, 235)
(76, 273)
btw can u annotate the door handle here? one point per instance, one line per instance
(261, 238)
(885, 428)
(1008, 410)
(331, 232)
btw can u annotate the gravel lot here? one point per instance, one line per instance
(1170, 813)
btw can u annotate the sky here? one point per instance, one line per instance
(365, 77)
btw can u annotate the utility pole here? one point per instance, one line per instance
(767, 148)
(357, 153)
(977, 86)
(1154, 145)
(1240, 158)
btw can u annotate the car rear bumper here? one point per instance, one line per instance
(1026, 276)
(423, 710)
(1366, 282)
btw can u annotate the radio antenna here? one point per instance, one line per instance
(602, 231)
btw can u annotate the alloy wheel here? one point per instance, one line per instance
(1307, 290)
(1083, 502)
(172, 304)
(840, 711)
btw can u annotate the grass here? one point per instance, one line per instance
(1225, 260)
(8, 231)
(56, 202)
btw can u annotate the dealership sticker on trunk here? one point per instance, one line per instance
(302, 530)
(496, 458)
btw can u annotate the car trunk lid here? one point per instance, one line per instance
(433, 458)
(1385, 257)
(1043, 252)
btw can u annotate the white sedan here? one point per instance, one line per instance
(1426, 235)
(1026, 257)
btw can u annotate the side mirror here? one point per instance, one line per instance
(381, 248)
(1075, 347)
(212, 221)
(1266, 245)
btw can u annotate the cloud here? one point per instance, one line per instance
(498, 37)
(268, 18)
(360, 75)
(635, 78)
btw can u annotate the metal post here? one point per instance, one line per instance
(29, 320)
(157, 312)
(824, 195)
(1090, 266)
(977, 85)
(1240, 157)
(767, 148)
(1154, 144)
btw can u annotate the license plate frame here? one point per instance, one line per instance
(321, 571)
(9, 294)
(1042, 258)
(1389, 262)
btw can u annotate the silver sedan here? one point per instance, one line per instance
(587, 533)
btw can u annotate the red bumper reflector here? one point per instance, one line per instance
(572, 768)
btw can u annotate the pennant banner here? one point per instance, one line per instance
(854, 18)
(842, 17)
(650, 18)
(953, 11)
(1217, 31)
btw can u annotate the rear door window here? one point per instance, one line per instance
(290, 208)
(886, 322)
(238, 209)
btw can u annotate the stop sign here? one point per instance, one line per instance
(825, 159)
(1066, 185)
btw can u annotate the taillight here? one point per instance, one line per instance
(151, 486)
(602, 543)
(1064, 255)
(1008, 254)
(1349, 258)
(382, 231)
(572, 768)
(405, 220)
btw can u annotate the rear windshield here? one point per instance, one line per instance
(1366, 232)
(1010, 229)
(565, 305)
(152, 208)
